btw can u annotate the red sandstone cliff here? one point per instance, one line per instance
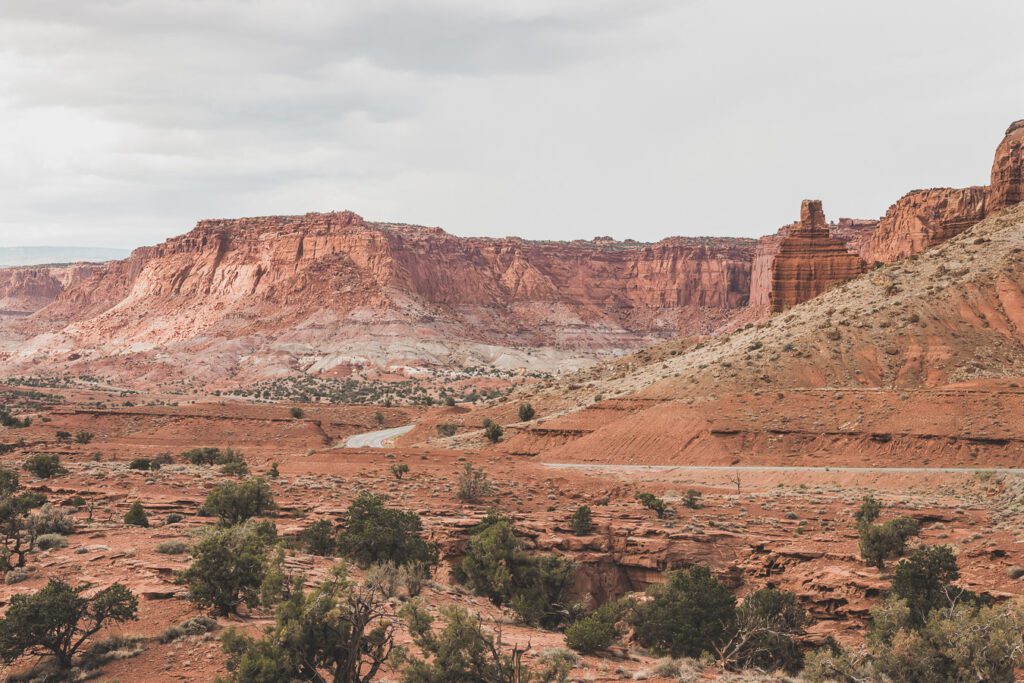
(319, 291)
(28, 289)
(819, 257)
(924, 218)
(809, 261)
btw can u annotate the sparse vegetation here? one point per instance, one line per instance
(582, 522)
(235, 502)
(493, 431)
(652, 502)
(399, 470)
(375, 533)
(880, 542)
(229, 566)
(463, 651)
(58, 620)
(473, 484)
(44, 466)
(337, 632)
(447, 429)
(496, 567)
(136, 515)
(526, 412)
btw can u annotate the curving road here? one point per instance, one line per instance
(377, 439)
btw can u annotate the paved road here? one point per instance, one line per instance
(377, 439)
(769, 468)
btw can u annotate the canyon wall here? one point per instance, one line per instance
(924, 218)
(273, 295)
(25, 290)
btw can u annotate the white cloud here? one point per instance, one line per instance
(124, 121)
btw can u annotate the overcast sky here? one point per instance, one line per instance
(122, 122)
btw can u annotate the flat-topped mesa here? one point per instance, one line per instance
(809, 261)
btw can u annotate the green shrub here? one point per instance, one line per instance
(229, 567)
(212, 456)
(84, 437)
(374, 533)
(692, 499)
(58, 620)
(463, 652)
(496, 567)
(689, 614)
(63, 436)
(274, 472)
(493, 431)
(399, 470)
(235, 502)
(598, 630)
(44, 466)
(143, 464)
(319, 538)
(174, 518)
(298, 413)
(881, 542)
(526, 412)
(235, 469)
(136, 515)
(582, 522)
(767, 625)
(924, 580)
(8, 420)
(339, 628)
(447, 429)
(652, 502)
(9, 481)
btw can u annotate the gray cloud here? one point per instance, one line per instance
(124, 121)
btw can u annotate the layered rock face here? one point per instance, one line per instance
(28, 289)
(317, 291)
(924, 218)
(1007, 184)
(809, 261)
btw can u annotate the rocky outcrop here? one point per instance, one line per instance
(809, 261)
(1007, 184)
(29, 289)
(924, 218)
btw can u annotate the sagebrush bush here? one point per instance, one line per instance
(50, 541)
(52, 520)
(171, 548)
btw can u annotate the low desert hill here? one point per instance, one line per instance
(920, 362)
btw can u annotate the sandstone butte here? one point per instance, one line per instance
(261, 297)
